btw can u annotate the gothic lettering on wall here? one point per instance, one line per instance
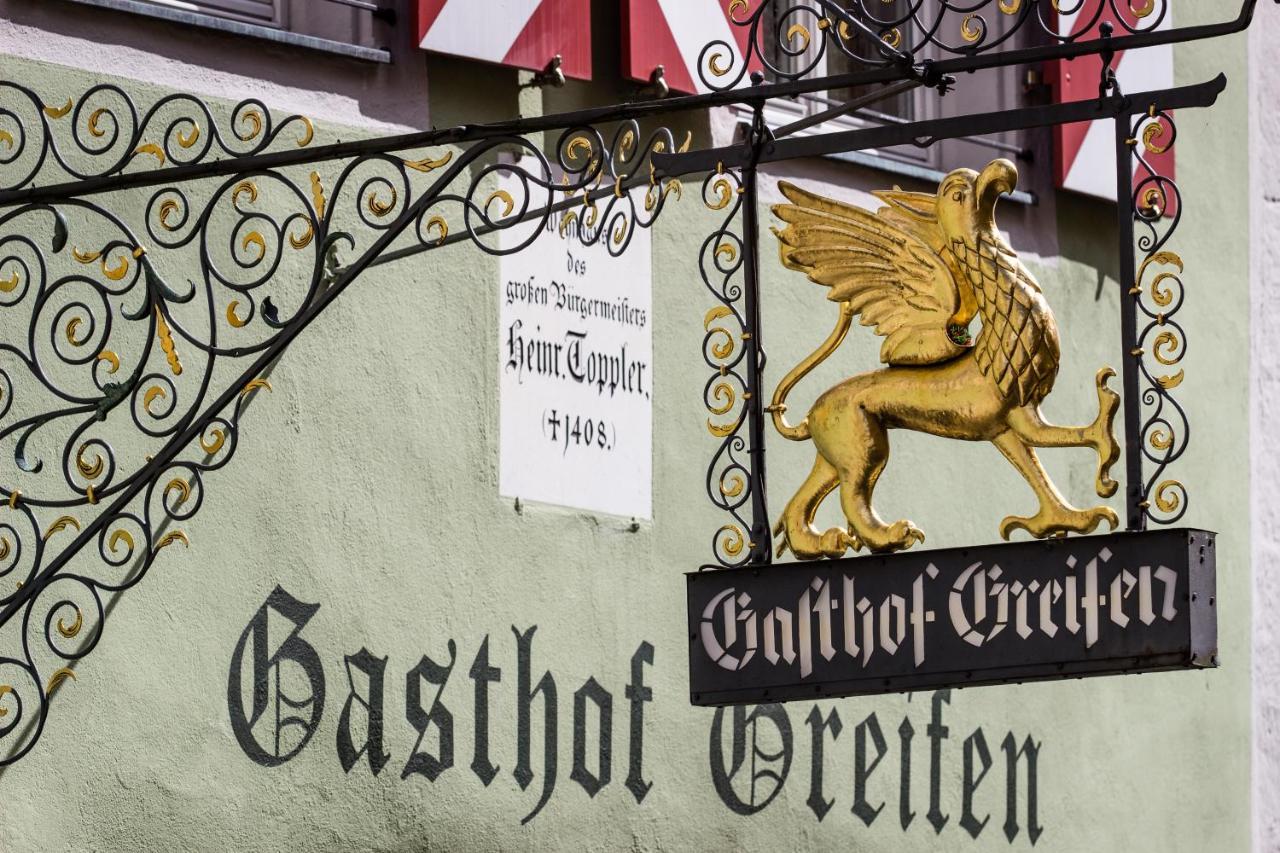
(276, 703)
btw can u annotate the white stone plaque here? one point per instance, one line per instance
(576, 373)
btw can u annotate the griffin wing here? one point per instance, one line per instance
(888, 266)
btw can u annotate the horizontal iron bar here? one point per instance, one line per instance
(925, 133)
(618, 112)
(845, 107)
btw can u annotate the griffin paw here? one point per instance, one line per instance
(1104, 435)
(898, 536)
(1059, 521)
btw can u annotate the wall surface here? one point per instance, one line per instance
(366, 486)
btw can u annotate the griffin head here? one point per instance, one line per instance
(967, 199)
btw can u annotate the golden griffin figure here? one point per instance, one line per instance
(918, 271)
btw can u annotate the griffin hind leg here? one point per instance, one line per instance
(1100, 435)
(1056, 517)
(796, 530)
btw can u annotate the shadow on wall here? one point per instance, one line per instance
(1080, 242)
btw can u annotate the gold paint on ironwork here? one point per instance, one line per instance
(88, 470)
(1160, 294)
(1010, 7)
(1153, 131)
(254, 384)
(1143, 9)
(439, 224)
(117, 272)
(308, 132)
(118, 537)
(171, 537)
(233, 319)
(181, 487)
(1168, 383)
(245, 187)
(317, 194)
(59, 112)
(378, 207)
(13, 498)
(1167, 342)
(4, 690)
(254, 119)
(94, 130)
(4, 547)
(90, 496)
(845, 32)
(1167, 499)
(1160, 439)
(61, 524)
(255, 238)
(58, 677)
(166, 343)
(427, 164)
(304, 240)
(84, 257)
(725, 430)
(893, 37)
(7, 138)
(919, 270)
(727, 251)
(744, 5)
(733, 547)
(722, 391)
(627, 144)
(724, 194)
(186, 140)
(617, 186)
(687, 144)
(112, 360)
(508, 203)
(72, 325)
(803, 32)
(566, 221)
(968, 30)
(717, 66)
(725, 348)
(213, 445)
(168, 207)
(1153, 201)
(150, 397)
(578, 142)
(71, 630)
(620, 233)
(592, 215)
(150, 148)
(8, 285)
(733, 490)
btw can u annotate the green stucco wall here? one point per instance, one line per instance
(367, 483)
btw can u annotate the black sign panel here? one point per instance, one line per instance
(1062, 608)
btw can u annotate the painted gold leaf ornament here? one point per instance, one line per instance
(727, 251)
(191, 137)
(429, 165)
(61, 524)
(716, 64)
(739, 6)
(317, 194)
(1168, 498)
(5, 689)
(94, 117)
(723, 430)
(566, 221)
(579, 143)
(724, 194)
(111, 359)
(155, 392)
(7, 138)
(378, 207)
(233, 319)
(118, 271)
(440, 226)
(121, 537)
(301, 241)
(1142, 8)
(1010, 7)
(734, 487)
(620, 232)
(84, 257)
(4, 547)
(59, 676)
(1168, 383)
(308, 132)
(171, 537)
(73, 325)
(722, 391)
(1160, 439)
(10, 284)
(972, 28)
(258, 242)
(509, 204)
(180, 487)
(627, 144)
(150, 148)
(59, 112)
(71, 630)
(252, 118)
(215, 441)
(89, 470)
(892, 37)
(798, 31)
(732, 545)
(245, 187)
(168, 207)
(254, 384)
(1166, 348)
(166, 343)
(688, 142)
(1153, 131)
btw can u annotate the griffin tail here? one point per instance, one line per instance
(778, 407)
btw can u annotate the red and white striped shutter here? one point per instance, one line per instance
(672, 33)
(521, 33)
(1084, 153)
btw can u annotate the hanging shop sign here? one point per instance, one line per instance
(994, 614)
(575, 367)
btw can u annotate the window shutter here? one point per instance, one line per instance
(266, 12)
(521, 33)
(672, 33)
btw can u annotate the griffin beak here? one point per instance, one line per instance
(998, 178)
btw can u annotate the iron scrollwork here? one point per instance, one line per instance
(130, 382)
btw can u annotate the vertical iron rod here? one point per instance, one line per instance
(1135, 514)
(761, 535)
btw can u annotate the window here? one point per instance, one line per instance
(268, 12)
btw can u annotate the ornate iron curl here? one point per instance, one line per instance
(115, 375)
(878, 33)
(1159, 294)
